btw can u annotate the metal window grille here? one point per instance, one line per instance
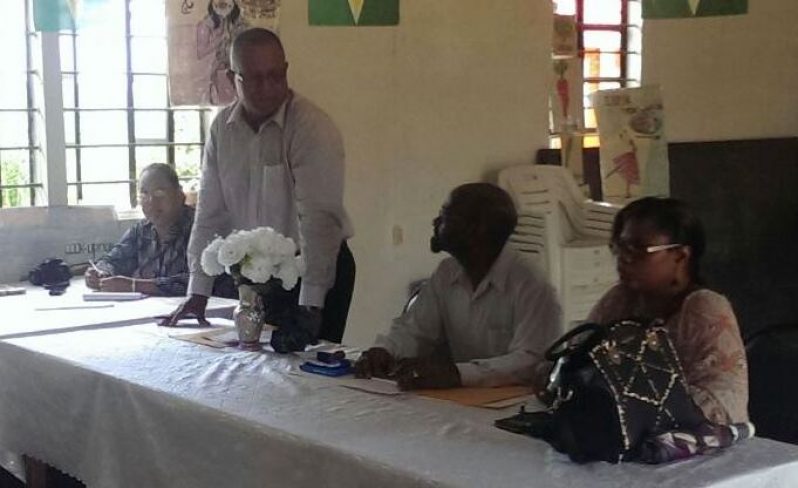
(21, 158)
(91, 179)
(610, 47)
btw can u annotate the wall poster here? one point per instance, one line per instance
(353, 12)
(633, 149)
(200, 35)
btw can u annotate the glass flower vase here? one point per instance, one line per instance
(248, 317)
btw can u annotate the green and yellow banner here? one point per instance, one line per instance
(353, 12)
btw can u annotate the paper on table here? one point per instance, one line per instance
(478, 397)
(6, 290)
(509, 402)
(373, 385)
(221, 337)
(122, 296)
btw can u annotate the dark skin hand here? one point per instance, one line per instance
(193, 307)
(93, 277)
(376, 362)
(410, 374)
(428, 372)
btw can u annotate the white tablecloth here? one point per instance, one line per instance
(121, 407)
(36, 311)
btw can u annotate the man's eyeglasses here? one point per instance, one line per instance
(638, 251)
(255, 80)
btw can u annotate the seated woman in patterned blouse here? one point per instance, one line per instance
(151, 257)
(658, 244)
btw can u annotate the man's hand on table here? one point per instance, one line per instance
(428, 372)
(116, 284)
(377, 362)
(193, 307)
(93, 277)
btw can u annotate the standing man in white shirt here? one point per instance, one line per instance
(275, 159)
(484, 318)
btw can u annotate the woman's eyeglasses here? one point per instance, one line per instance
(638, 251)
(154, 196)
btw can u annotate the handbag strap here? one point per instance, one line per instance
(566, 346)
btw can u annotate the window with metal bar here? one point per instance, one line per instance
(21, 125)
(610, 45)
(117, 117)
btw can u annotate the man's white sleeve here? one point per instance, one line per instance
(211, 217)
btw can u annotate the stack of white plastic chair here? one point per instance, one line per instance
(564, 233)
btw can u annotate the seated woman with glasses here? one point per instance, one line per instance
(658, 244)
(151, 257)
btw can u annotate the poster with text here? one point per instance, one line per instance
(633, 149)
(668, 9)
(200, 35)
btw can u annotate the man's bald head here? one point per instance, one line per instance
(256, 36)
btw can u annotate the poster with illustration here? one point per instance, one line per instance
(633, 149)
(200, 35)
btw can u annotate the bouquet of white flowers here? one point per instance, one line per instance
(254, 256)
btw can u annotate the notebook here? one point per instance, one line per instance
(108, 296)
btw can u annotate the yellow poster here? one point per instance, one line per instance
(200, 35)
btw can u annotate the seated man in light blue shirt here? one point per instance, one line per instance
(485, 317)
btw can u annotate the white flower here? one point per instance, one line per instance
(263, 239)
(233, 250)
(288, 273)
(258, 269)
(262, 253)
(285, 246)
(209, 260)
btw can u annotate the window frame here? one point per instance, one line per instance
(34, 147)
(50, 181)
(133, 142)
(625, 79)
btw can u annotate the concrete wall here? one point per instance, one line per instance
(456, 91)
(723, 78)
(74, 234)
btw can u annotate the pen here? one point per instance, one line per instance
(94, 266)
(72, 307)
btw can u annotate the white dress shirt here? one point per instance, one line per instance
(288, 175)
(496, 334)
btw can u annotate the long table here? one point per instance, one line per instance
(37, 312)
(133, 407)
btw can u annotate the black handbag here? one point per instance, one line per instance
(611, 388)
(52, 272)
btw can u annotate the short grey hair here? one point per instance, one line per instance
(165, 171)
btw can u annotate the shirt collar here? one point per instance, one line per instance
(496, 276)
(182, 226)
(278, 117)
